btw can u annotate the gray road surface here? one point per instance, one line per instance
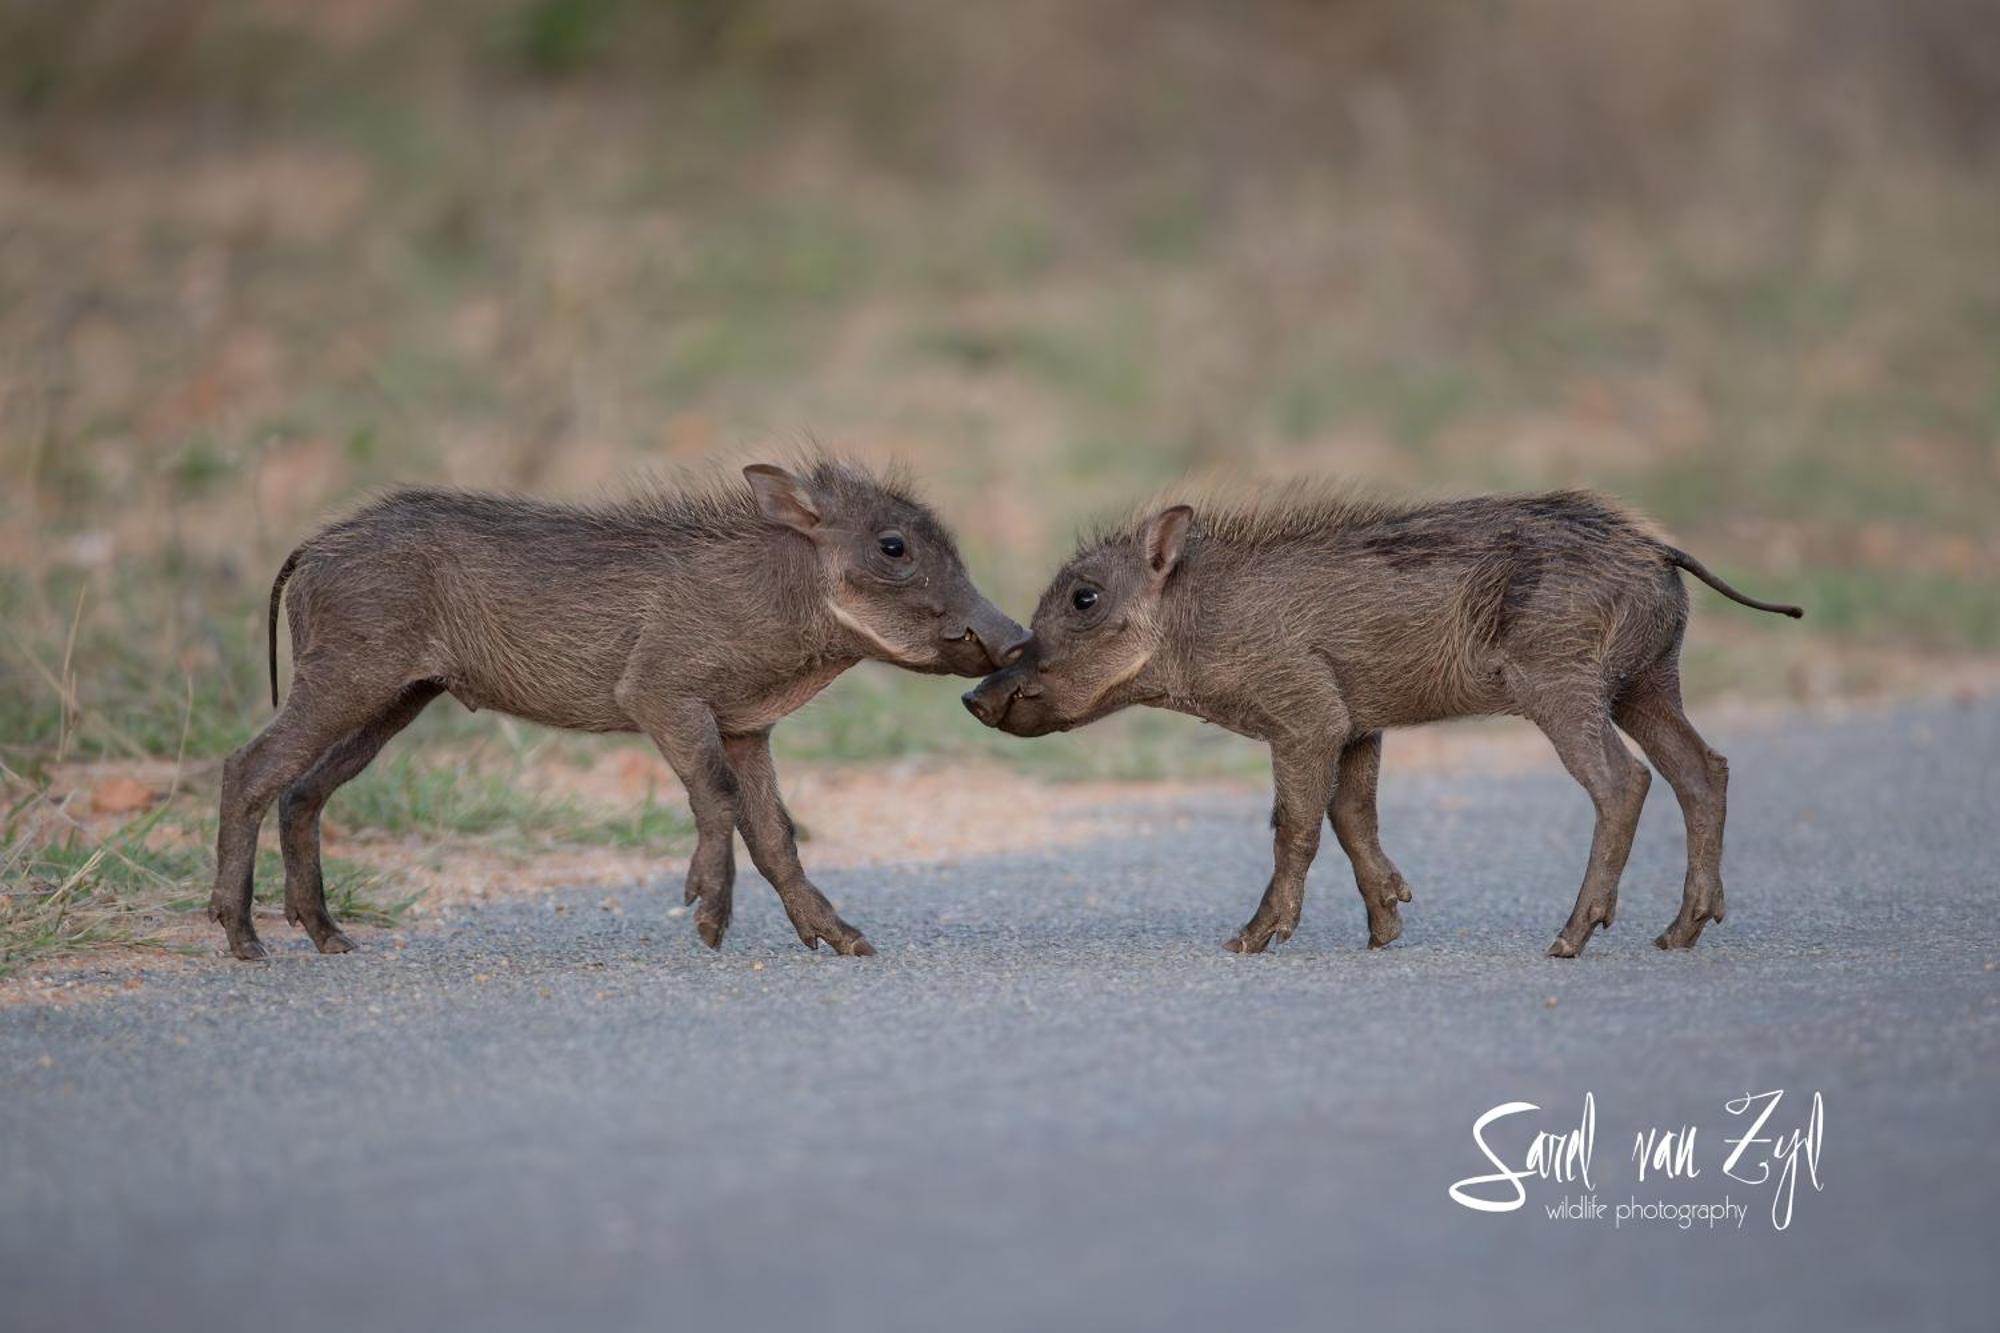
(1054, 1102)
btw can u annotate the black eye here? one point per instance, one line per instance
(892, 545)
(1083, 598)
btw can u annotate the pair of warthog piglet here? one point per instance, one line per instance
(1306, 619)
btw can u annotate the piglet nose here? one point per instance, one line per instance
(1000, 639)
(990, 699)
(1011, 650)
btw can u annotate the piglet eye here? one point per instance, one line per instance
(1083, 598)
(892, 545)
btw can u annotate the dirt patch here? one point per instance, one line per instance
(114, 971)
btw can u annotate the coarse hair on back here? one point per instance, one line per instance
(1252, 514)
(704, 498)
(714, 492)
(1256, 513)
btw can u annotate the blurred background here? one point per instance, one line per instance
(1737, 263)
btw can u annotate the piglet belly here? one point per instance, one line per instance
(762, 708)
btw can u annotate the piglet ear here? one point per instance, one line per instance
(1165, 534)
(782, 498)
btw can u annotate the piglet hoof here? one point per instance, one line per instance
(1385, 932)
(250, 949)
(842, 938)
(326, 936)
(845, 941)
(1680, 935)
(1583, 923)
(1249, 940)
(853, 944)
(1687, 926)
(710, 931)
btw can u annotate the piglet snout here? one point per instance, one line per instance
(1002, 640)
(990, 698)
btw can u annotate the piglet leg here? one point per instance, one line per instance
(1617, 783)
(1304, 778)
(686, 734)
(773, 842)
(1354, 823)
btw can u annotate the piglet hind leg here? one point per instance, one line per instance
(303, 801)
(1650, 711)
(314, 719)
(1579, 726)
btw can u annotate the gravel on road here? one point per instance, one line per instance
(1053, 1099)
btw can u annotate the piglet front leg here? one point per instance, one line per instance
(773, 842)
(686, 734)
(1303, 774)
(1354, 823)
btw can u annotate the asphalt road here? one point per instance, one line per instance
(1054, 1101)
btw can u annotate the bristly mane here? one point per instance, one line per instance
(1273, 513)
(719, 492)
(704, 498)
(1258, 514)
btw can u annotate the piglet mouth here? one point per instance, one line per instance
(981, 650)
(992, 698)
(989, 706)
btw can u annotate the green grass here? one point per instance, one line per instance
(63, 894)
(1414, 402)
(124, 704)
(1923, 611)
(63, 891)
(413, 792)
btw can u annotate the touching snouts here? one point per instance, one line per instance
(990, 699)
(1003, 640)
(999, 640)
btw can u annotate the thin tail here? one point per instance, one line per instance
(1700, 571)
(277, 596)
